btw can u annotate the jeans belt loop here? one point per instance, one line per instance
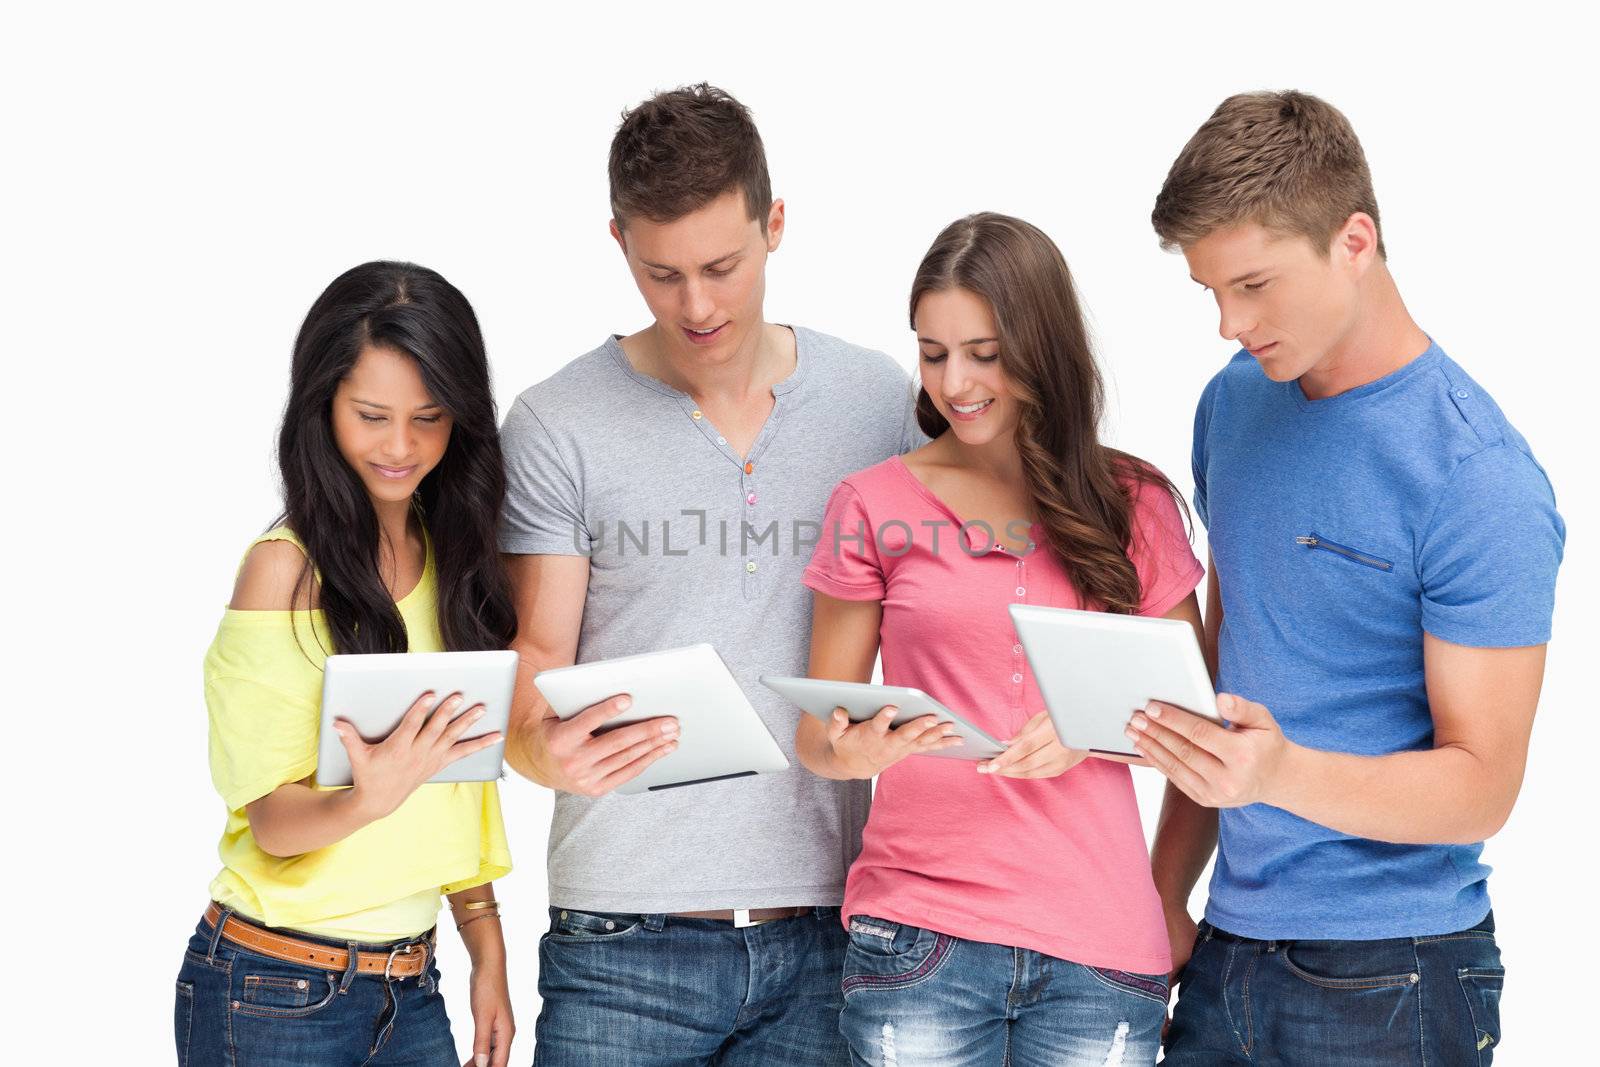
(350, 968)
(216, 933)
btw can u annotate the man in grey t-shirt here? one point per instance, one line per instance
(666, 489)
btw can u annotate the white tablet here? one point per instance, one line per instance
(1095, 670)
(817, 698)
(720, 736)
(373, 691)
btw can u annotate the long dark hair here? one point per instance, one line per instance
(1081, 489)
(411, 310)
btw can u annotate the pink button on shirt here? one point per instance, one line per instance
(1057, 865)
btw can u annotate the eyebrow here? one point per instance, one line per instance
(385, 407)
(964, 344)
(720, 259)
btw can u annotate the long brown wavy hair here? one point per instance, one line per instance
(1082, 490)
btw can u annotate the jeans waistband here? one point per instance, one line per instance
(657, 921)
(1208, 932)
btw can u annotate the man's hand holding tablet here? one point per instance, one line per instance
(725, 736)
(1215, 766)
(579, 756)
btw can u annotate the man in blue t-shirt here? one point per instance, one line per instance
(1384, 553)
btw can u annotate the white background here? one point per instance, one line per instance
(180, 183)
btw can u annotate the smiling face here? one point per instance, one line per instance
(1290, 306)
(960, 365)
(703, 276)
(386, 426)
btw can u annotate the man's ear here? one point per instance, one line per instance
(1357, 242)
(775, 226)
(616, 235)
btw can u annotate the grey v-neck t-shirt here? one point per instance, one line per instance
(688, 542)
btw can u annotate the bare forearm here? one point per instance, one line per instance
(549, 592)
(1186, 835)
(844, 644)
(295, 819)
(1443, 795)
(816, 753)
(524, 751)
(480, 933)
(523, 754)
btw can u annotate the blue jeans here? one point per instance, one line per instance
(239, 1009)
(917, 997)
(1403, 1000)
(621, 990)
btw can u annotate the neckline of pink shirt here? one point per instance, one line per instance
(899, 463)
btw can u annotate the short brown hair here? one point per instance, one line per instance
(680, 150)
(1285, 160)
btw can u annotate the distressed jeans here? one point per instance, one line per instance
(919, 998)
(660, 991)
(1385, 1003)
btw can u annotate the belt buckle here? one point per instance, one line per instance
(741, 919)
(407, 950)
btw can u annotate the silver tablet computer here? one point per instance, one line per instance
(373, 691)
(720, 735)
(862, 701)
(1095, 670)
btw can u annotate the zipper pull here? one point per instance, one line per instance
(1312, 541)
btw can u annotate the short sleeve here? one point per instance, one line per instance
(845, 562)
(1160, 550)
(543, 510)
(1489, 558)
(261, 736)
(1197, 457)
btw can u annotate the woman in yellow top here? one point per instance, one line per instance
(317, 948)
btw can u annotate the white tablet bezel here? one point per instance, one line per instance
(372, 691)
(721, 736)
(818, 697)
(1095, 669)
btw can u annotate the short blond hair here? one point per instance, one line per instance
(1286, 160)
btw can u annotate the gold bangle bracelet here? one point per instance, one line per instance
(475, 918)
(479, 905)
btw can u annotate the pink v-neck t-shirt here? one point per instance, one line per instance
(1056, 865)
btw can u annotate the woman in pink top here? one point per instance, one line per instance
(999, 912)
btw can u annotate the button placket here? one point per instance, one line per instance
(747, 487)
(1018, 664)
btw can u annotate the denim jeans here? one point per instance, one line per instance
(621, 990)
(917, 997)
(1404, 1000)
(239, 1009)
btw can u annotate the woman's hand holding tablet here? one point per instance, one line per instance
(385, 773)
(1036, 752)
(457, 707)
(866, 749)
(876, 726)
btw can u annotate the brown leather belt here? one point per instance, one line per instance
(405, 960)
(742, 917)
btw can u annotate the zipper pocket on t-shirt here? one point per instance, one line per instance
(1346, 551)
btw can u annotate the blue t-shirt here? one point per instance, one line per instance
(1342, 529)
